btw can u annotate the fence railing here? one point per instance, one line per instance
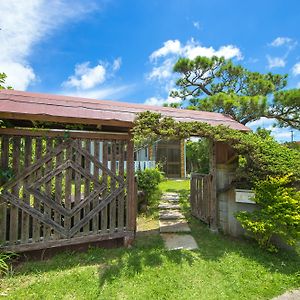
(200, 199)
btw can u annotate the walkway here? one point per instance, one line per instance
(173, 226)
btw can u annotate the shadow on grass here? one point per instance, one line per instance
(148, 252)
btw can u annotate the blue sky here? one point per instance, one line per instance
(124, 50)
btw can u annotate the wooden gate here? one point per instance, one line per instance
(61, 188)
(201, 192)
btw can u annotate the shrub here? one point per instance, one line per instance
(148, 181)
(279, 212)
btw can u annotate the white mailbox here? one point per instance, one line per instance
(244, 196)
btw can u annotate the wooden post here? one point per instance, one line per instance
(131, 196)
(182, 159)
(213, 200)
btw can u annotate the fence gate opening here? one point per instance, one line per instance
(60, 189)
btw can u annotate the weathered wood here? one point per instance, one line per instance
(38, 164)
(87, 184)
(213, 172)
(26, 195)
(37, 215)
(36, 190)
(105, 182)
(68, 189)
(96, 179)
(103, 203)
(121, 198)
(3, 206)
(77, 181)
(201, 196)
(131, 197)
(69, 120)
(67, 242)
(36, 225)
(112, 206)
(62, 133)
(58, 186)
(14, 212)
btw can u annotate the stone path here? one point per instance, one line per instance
(291, 295)
(173, 226)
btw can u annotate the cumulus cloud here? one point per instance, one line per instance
(169, 47)
(275, 62)
(163, 59)
(86, 77)
(23, 24)
(193, 48)
(296, 69)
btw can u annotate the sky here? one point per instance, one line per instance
(124, 50)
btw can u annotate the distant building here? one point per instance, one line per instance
(170, 155)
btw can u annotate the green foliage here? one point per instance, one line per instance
(197, 156)
(286, 108)
(219, 85)
(3, 86)
(279, 212)
(263, 155)
(4, 262)
(148, 181)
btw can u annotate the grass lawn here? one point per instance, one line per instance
(222, 268)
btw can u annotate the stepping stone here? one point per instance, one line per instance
(179, 241)
(173, 226)
(170, 215)
(170, 194)
(171, 200)
(168, 206)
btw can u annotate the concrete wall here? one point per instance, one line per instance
(227, 205)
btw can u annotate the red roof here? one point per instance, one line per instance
(27, 105)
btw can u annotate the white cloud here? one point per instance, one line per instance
(169, 47)
(158, 101)
(275, 62)
(296, 69)
(163, 71)
(193, 48)
(112, 92)
(117, 64)
(280, 134)
(279, 41)
(86, 77)
(23, 24)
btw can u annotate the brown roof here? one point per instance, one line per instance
(47, 107)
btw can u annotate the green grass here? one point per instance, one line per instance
(174, 185)
(222, 268)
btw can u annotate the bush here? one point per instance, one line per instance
(279, 212)
(148, 181)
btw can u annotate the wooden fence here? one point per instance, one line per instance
(49, 195)
(201, 195)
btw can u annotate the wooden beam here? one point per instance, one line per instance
(56, 119)
(65, 133)
(66, 242)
